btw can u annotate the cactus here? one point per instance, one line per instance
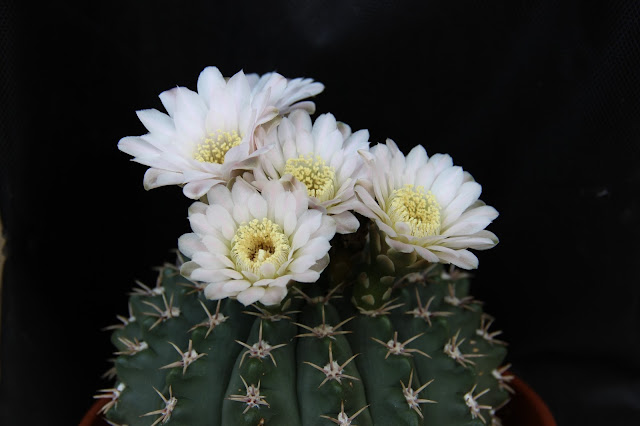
(423, 355)
(312, 290)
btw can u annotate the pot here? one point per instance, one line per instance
(526, 408)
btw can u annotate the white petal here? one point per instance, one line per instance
(168, 99)
(250, 276)
(200, 224)
(345, 129)
(427, 254)
(238, 85)
(317, 247)
(267, 270)
(251, 295)
(467, 194)
(346, 222)
(241, 192)
(223, 113)
(488, 235)
(348, 202)
(322, 263)
(290, 222)
(297, 89)
(198, 208)
(373, 209)
(307, 277)
(302, 264)
(207, 275)
(137, 147)
(198, 188)
(386, 228)
(189, 116)
(214, 291)
(440, 162)
(308, 223)
(473, 242)
(472, 221)
(307, 106)
(348, 168)
(236, 286)
(282, 281)
(220, 219)
(157, 122)
(428, 173)
(402, 228)
(257, 206)
(154, 178)
(231, 274)
(304, 143)
(187, 268)
(208, 260)
(461, 258)
(399, 246)
(282, 203)
(324, 125)
(446, 185)
(189, 244)
(327, 228)
(220, 195)
(241, 214)
(416, 158)
(193, 175)
(330, 145)
(273, 295)
(209, 82)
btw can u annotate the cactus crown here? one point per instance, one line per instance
(299, 305)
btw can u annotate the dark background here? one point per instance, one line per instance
(539, 100)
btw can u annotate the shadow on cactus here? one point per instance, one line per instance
(323, 283)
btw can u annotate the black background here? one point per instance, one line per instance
(539, 100)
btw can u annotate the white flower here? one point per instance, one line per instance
(324, 157)
(427, 205)
(209, 135)
(250, 245)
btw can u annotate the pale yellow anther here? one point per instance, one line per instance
(215, 146)
(416, 207)
(315, 174)
(257, 242)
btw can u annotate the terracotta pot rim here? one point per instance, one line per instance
(526, 392)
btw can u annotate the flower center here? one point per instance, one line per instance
(258, 242)
(215, 146)
(419, 209)
(313, 172)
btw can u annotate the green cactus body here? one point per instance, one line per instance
(423, 356)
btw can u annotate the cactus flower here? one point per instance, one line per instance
(427, 205)
(209, 134)
(324, 157)
(250, 245)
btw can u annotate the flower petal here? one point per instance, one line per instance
(198, 188)
(273, 295)
(188, 244)
(251, 295)
(154, 178)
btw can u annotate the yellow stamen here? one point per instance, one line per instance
(215, 146)
(419, 209)
(313, 172)
(258, 242)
